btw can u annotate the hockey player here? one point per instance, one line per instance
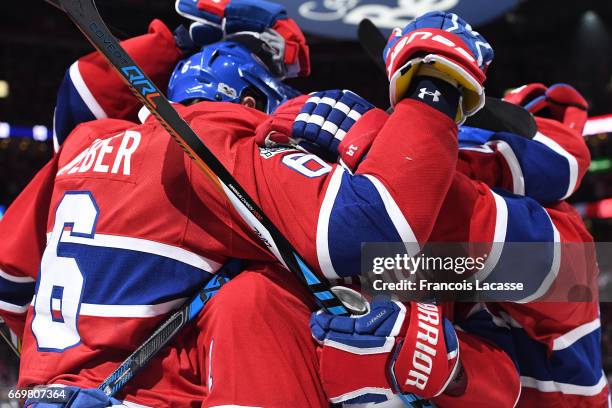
(84, 97)
(559, 361)
(62, 314)
(555, 345)
(261, 25)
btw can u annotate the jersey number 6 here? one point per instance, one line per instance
(308, 165)
(60, 284)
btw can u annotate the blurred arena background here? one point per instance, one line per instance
(545, 41)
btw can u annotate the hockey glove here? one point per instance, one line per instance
(385, 353)
(442, 45)
(261, 25)
(560, 102)
(326, 117)
(75, 397)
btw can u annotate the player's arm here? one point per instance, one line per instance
(396, 193)
(556, 347)
(327, 212)
(548, 167)
(23, 237)
(540, 168)
(559, 350)
(515, 234)
(91, 89)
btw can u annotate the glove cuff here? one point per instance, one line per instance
(473, 95)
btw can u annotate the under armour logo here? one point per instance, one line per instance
(435, 95)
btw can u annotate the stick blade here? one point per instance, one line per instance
(372, 41)
(501, 116)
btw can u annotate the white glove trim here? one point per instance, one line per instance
(365, 390)
(385, 348)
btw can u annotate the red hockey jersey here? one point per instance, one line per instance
(173, 217)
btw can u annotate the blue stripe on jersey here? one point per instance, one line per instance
(357, 216)
(470, 136)
(70, 110)
(367, 398)
(481, 324)
(527, 220)
(529, 250)
(16, 293)
(116, 276)
(578, 364)
(546, 173)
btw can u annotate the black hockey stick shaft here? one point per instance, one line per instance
(162, 336)
(86, 17)
(372, 41)
(6, 335)
(497, 115)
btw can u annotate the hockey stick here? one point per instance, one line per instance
(373, 42)
(86, 17)
(8, 337)
(496, 115)
(162, 335)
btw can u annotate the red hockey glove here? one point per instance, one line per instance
(523, 95)
(560, 102)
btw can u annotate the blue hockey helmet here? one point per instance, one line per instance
(223, 72)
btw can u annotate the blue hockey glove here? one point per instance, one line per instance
(233, 16)
(355, 352)
(326, 117)
(75, 397)
(386, 354)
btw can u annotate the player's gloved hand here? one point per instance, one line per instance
(261, 25)
(442, 45)
(524, 94)
(560, 102)
(385, 352)
(355, 352)
(188, 46)
(326, 117)
(75, 397)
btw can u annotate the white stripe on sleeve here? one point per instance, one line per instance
(84, 92)
(323, 256)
